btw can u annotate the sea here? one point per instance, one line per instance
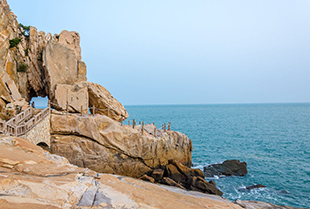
(273, 139)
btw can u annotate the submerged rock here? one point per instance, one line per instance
(227, 168)
(256, 186)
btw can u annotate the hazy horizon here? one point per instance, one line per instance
(182, 52)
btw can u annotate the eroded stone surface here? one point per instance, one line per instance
(33, 178)
(105, 103)
(76, 95)
(100, 143)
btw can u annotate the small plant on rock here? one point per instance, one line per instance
(14, 42)
(25, 28)
(26, 52)
(22, 67)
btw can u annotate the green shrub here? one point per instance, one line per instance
(22, 67)
(26, 52)
(26, 29)
(14, 42)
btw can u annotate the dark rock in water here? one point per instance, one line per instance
(284, 192)
(176, 174)
(227, 168)
(256, 186)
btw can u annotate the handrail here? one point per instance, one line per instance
(11, 127)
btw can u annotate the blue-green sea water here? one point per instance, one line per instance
(273, 139)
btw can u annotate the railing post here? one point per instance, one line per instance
(139, 122)
(133, 123)
(169, 126)
(129, 122)
(164, 127)
(67, 107)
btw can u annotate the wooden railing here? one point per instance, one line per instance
(17, 126)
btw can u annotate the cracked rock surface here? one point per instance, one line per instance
(33, 178)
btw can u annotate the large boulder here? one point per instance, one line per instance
(191, 179)
(102, 144)
(71, 39)
(61, 66)
(75, 95)
(105, 103)
(227, 168)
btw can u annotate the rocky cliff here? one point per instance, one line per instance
(35, 64)
(33, 178)
(102, 144)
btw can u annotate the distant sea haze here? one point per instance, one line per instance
(273, 139)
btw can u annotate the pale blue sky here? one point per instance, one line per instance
(186, 52)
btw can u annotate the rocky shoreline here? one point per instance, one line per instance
(90, 154)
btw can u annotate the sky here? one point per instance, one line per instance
(186, 51)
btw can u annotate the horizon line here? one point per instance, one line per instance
(245, 103)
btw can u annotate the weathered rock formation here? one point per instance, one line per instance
(178, 175)
(32, 178)
(227, 168)
(102, 144)
(105, 103)
(35, 64)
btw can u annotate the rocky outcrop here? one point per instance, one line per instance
(105, 103)
(32, 178)
(76, 94)
(227, 168)
(178, 175)
(35, 64)
(102, 144)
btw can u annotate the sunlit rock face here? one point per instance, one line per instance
(102, 144)
(35, 64)
(33, 178)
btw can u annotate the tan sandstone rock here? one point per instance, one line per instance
(61, 64)
(100, 143)
(71, 40)
(36, 179)
(76, 95)
(105, 103)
